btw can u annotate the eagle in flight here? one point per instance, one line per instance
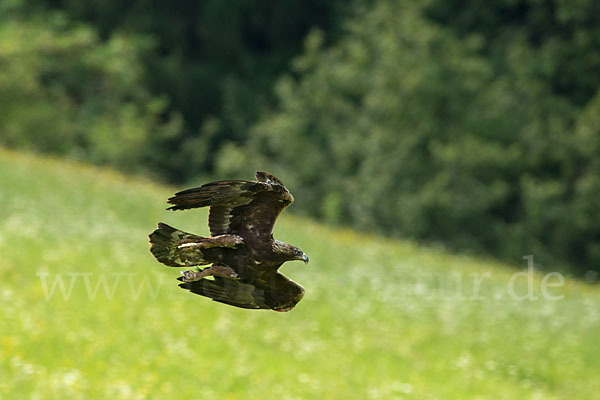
(244, 256)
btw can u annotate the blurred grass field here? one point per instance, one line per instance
(381, 319)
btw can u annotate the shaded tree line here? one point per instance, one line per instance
(212, 62)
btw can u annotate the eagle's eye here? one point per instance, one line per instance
(297, 252)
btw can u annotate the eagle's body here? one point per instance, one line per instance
(244, 256)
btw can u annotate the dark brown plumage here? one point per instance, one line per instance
(244, 256)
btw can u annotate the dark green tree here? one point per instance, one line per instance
(214, 60)
(407, 127)
(66, 92)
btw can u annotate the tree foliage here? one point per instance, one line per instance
(408, 127)
(66, 92)
(214, 60)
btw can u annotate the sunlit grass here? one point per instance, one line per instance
(381, 318)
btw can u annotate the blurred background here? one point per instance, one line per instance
(436, 150)
(474, 125)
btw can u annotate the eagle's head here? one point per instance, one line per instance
(288, 252)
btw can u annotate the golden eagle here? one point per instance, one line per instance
(244, 256)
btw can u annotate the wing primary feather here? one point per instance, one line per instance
(208, 194)
(227, 291)
(266, 177)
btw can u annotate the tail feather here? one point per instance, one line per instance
(168, 245)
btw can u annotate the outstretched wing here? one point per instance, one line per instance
(228, 291)
(244, 208)
(277, 292)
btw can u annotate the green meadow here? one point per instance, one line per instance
(86, 312)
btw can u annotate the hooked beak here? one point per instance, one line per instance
(305, 258)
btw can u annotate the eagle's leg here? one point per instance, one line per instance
(216, 270)
(230, 241)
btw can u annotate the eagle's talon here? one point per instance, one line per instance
(189, 276)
